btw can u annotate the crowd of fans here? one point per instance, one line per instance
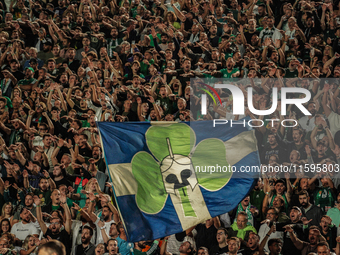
(65, 65)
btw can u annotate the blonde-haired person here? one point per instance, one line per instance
(7, 212)
(328, 51)
(171, 18)
(92, 186)
(16, 93)
(30, 245)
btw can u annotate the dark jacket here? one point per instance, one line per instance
(315, 213)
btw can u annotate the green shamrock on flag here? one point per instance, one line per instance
(170, 170)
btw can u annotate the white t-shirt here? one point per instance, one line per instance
(334, 122)
(21, 230)
(263, 232)
(107, 230)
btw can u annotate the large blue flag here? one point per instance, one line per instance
(168, 177)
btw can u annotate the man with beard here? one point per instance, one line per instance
(139, 246)
(314, 238)
(78, 225)
(72, 63)
(222, 246)
(312, 212)
(56, 54)
(44, 191)
(26, 226)
(213, 36)
(97, 159)
(28, 82)
(46, 53)
(270, 31)
(86, 247)
(107, 215)
(230, 71)
(186, 248)
(297, 227)
(164, 41)
(59, 176)
(113, 42)
(185, 73)
(55, 230)
(82, 147)
(113, 233)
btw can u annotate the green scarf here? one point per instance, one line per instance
(247, 211)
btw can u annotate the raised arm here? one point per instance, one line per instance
(50, 123)
(325, 106)
(68, 222)
(42, 224)
(296, 241)
(49, 179)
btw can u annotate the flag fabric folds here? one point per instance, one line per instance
(168, 176)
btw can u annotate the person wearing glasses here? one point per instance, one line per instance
(222, 246)
(272, 216)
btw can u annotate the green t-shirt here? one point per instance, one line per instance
(166, 104)
(100, 164)
(324, 198)
(27, 81)
(151, 38)
(44, 195)
(55, 207)
(291, 74)
(256, 198)
(134, 12)
(226, 74)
